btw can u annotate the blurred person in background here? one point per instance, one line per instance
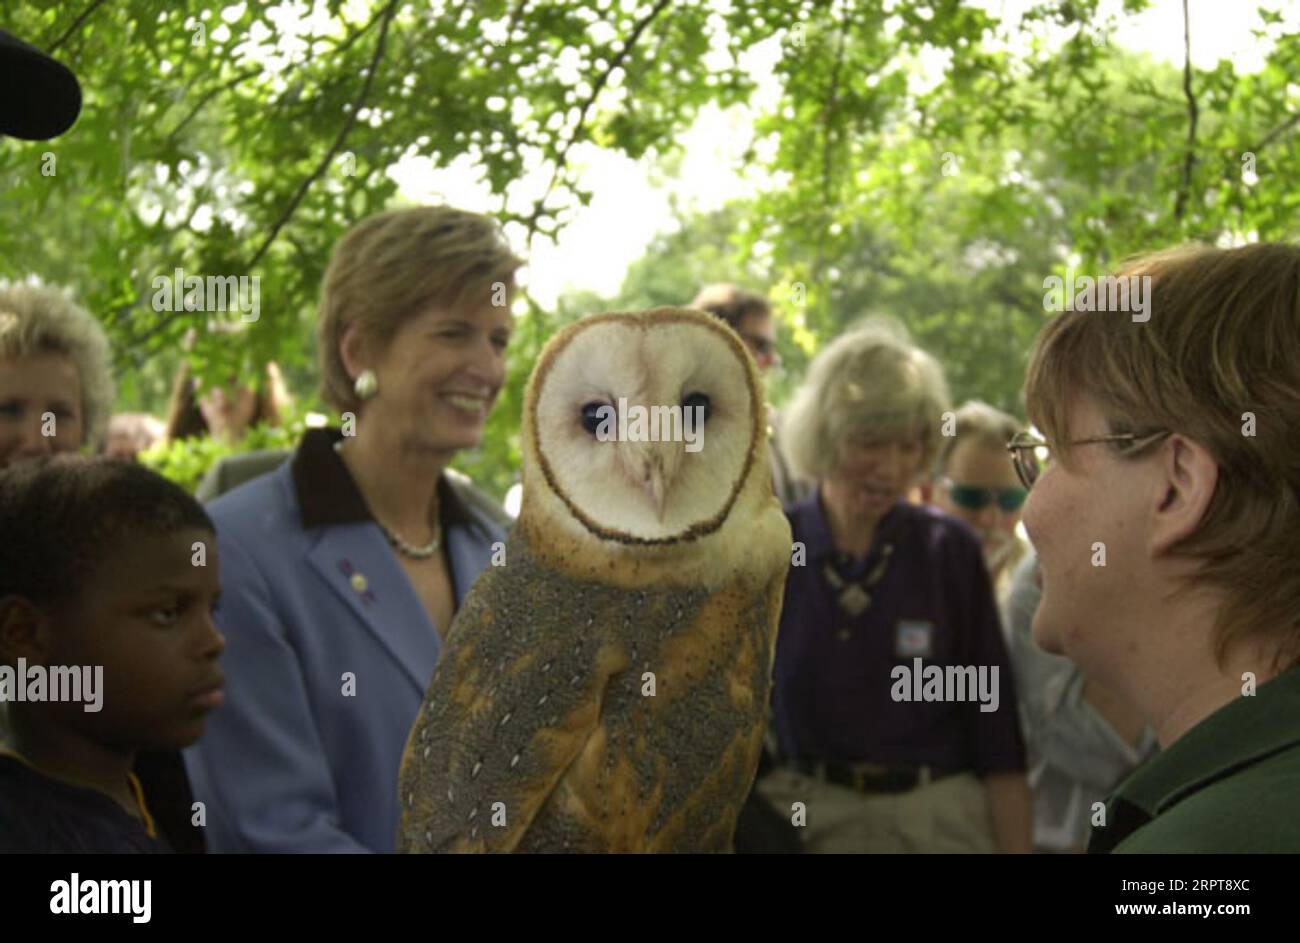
(750, 315)
(129, 434)
(225, 412)
(56, 390)
(976, 482)
(881, 583)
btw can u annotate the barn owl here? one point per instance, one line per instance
(606, 689)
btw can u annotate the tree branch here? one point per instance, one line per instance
(832, 102)
(239, 78)
(578, 128)
(344, 44)
(134, 351)
(76, 25)
(1189, 160)
(1276, 133)
(389, 13)
(516, 17)
(207, 97)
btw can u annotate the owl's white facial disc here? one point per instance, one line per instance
(631, 487)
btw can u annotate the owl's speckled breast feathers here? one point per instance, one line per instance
(540, 705)
(607, 688)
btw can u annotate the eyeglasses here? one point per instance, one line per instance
(1031, 454)
(976, 498)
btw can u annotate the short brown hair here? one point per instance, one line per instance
(1221, 348)
(391, 265)
(42, 319)
(730, 303)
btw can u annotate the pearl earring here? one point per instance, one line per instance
(366, 385)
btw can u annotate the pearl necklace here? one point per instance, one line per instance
(410, 550)
(417, 553)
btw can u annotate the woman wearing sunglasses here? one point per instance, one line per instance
(978, 485)
(1164, 506)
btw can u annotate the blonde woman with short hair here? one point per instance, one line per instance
(342, 569)
(56, 389)
(1164, 506)
(881, 591)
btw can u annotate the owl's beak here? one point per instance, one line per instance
(654, 487)
(659, 469)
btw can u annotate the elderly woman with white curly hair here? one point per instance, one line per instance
(56, 391)
(893, 702)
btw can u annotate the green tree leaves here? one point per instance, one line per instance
(925, 166)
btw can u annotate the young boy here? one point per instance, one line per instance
(108, 576)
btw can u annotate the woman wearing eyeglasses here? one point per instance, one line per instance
(1164, 506)
(978, 485)
(881, 591)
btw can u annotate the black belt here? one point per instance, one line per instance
(872, 777)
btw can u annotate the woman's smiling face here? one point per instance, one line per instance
(440, 375)
(34, 390)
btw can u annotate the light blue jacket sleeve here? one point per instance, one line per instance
(261, 767)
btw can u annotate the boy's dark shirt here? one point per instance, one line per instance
(166, 786)
(40, 815)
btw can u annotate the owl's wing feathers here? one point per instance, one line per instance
(539, 731)
(517, 695)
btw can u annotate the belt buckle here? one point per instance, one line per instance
(862, 772)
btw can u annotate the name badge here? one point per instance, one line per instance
(914, 639)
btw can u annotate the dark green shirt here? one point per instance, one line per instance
(1230, 784)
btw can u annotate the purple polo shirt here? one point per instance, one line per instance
(832, 697)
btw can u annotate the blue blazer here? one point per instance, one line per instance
(329, 651)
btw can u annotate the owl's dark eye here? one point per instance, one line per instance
(593, 414)
(694, 401)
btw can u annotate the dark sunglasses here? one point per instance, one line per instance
(974, 498)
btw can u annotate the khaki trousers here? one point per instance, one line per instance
(950, 815)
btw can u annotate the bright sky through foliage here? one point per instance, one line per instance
(631, 201)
